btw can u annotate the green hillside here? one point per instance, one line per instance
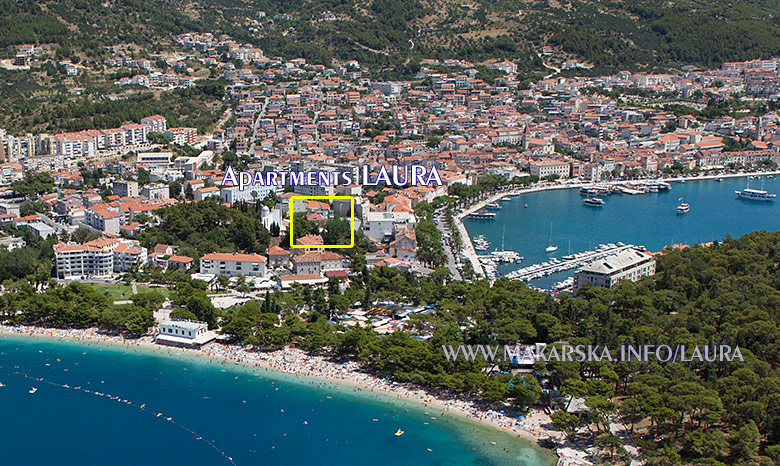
(634, 34)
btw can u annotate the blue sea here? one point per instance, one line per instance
(649, 220)
(219, 415)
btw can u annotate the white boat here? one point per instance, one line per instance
(755, 194)
(593, 201)
(550, 247)
(33, 390)
(683, 208)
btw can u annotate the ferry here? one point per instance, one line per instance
(482, 215)
(493, 206)
(755, 194)
(593, 201)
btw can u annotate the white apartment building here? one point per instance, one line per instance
(135, 133)
(231, 194)
(82, 261)
(156, 191)
(629, 264)
(74, 145)
(232, 264)
(156, 123)
(125, 188)
(380, 226)
(99, 258)
(105, 219)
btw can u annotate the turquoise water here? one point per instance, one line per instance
(220, 415)
(650, 220)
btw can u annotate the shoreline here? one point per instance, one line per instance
(531, 428)
(468, 245)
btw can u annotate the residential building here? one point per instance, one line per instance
(156, 191)
(124, 188)
(232, 264)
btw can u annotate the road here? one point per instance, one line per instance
(452, 264)
(257, 125)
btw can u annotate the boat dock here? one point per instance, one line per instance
(555, 265)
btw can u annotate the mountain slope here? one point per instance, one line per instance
(391, 34)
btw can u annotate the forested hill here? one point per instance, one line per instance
(394, 35)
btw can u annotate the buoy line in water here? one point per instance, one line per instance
(141, 407)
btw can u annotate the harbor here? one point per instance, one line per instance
(701, 210)
(570, 262)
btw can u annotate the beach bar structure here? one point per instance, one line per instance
(184, 333)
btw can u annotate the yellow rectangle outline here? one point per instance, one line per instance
(325, 246)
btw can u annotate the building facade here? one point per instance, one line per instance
(629, 264)
(232, 264)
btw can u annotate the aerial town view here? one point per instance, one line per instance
(405, 232)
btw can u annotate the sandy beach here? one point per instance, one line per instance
(533, 426)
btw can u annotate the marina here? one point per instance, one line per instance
(650, 219)
(556, 265)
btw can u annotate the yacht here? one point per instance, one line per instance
(493, 206)
(480, 243)
(755, 194)
(593, 201)
(482, 215)
(683, 208)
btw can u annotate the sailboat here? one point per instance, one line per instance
(550, 247)
(399, 433)
(570, 256)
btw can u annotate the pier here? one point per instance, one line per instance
(561, 265)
